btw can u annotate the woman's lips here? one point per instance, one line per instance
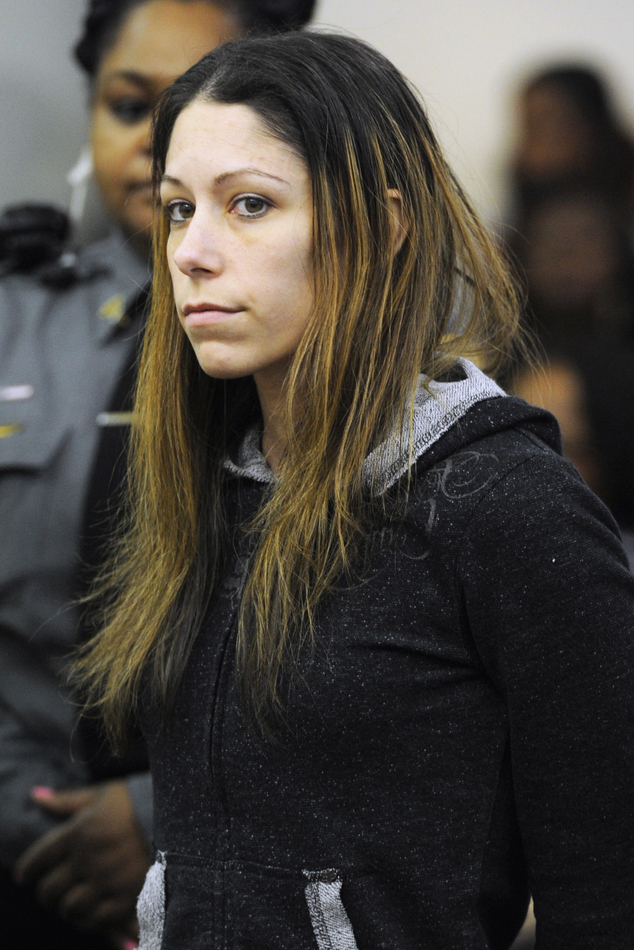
(201, 315)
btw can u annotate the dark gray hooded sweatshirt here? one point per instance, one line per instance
(462, 735)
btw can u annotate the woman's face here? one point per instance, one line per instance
(240, 208)
(157, 42)
(555, 137)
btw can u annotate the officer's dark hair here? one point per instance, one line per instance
(105, 17)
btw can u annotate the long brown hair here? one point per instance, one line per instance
(380, 319)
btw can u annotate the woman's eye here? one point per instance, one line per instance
(179, 211)
(250, 206)
(131, 109)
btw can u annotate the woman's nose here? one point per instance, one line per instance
(198, 251)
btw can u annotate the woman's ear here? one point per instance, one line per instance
(398, 222)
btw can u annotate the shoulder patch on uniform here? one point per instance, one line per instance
(114, 310)
(16, 393)
(105, 419)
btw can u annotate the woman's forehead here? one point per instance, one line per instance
(215, 135)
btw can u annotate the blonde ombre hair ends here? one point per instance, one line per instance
(385, 312)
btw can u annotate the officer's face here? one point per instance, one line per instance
(240, 210)
(157, 42)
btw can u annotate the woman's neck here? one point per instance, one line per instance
(273, 447)
(274, 434)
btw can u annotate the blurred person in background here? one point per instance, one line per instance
(75, 823)
(570, 136)
(577, 263)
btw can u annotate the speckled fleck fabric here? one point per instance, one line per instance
(461, 734)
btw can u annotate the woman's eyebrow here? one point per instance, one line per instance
(129, 75)
(227, 176)
(247, 170)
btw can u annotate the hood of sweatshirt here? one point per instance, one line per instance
(446, 417)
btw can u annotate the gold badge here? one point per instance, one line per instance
(113, 310)
(9, 430)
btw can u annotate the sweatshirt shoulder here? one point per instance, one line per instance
(508, 488)
(537, 512)
(473, 463)
(503, 451)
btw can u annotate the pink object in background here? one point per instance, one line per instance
(42, 791)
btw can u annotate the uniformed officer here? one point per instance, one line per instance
(75, 824)
(61, 350)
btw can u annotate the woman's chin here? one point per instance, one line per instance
(218, 370)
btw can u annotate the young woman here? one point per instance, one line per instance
(79, 823)
(383, 698)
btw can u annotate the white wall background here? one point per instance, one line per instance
(42, 98)
(464, 55)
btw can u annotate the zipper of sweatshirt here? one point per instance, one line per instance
(217, 714)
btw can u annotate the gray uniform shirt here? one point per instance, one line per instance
(61, 353)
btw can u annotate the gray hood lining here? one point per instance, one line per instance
(436, 409)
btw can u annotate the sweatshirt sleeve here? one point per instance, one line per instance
(550, 605)
(25, 762)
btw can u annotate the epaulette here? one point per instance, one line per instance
(33, 240)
